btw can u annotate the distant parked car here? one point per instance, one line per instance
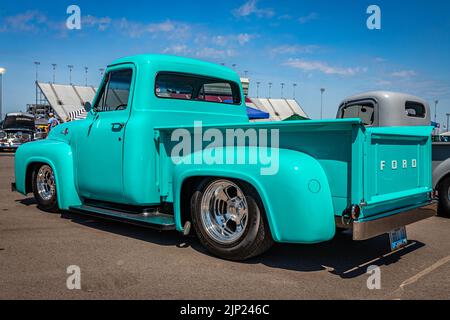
(16, 129)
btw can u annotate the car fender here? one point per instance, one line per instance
(441, 171)
(297, 199)
(58, 155)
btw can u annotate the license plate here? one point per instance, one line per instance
(398, 238)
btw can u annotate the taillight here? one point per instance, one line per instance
(356, 212)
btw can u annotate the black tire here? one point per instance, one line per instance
(444, 198)
(48, 205)
(256, 238)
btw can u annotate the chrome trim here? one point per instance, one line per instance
(45, 181)
(371, 229)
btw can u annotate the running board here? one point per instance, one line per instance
(153, 220)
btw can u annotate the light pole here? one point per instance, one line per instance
(270, 90)
(37, 64)
(245, 73)
(295, 86)
(70, 73)
(86, 69)
(282, 90)
(257, 89)
(54, 72)
(436, 102)
(2, 71)
(448, 121)
(322, 90)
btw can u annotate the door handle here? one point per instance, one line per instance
(117, 126)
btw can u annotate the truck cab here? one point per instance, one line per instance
(167, 144)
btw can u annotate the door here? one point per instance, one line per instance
(100, 145)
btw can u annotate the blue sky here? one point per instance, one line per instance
(314, 43)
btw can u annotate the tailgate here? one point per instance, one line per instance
(397, 169)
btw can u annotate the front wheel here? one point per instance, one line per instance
(444, 198)
(44, 188)
(229, 219)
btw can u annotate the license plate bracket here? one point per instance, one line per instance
(398, 238)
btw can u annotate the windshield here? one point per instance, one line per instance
(18, 122)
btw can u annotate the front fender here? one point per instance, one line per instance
(58, 155)
(441, 171)
(297, 200)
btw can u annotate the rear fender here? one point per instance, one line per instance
(297, 200)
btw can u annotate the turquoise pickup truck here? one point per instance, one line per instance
(167, 144)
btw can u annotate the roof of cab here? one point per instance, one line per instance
(385, 95)
(213, 68)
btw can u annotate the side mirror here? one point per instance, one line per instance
(87, 106)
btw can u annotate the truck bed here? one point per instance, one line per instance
(381, 169)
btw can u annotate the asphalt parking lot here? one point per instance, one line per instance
(120, 261)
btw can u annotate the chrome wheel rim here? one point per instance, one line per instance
(224, 212)
(46, 183)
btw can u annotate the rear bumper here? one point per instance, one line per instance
(364, 230)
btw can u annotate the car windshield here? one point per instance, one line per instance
(18, 122)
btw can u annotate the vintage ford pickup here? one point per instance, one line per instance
(125, 162)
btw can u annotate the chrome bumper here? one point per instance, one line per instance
(371, 229)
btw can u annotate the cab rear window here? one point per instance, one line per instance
(182, 86)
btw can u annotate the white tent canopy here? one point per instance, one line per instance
(66, 100)
(279, 109)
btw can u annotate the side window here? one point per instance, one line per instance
(198, 88)
(116, 92)
(364, 111)
(415, 109)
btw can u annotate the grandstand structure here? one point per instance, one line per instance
(67, 102)
(278, 109)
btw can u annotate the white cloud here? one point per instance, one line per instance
(136, 29)
(310, 17)
(180, 49)
(224, 40)
(404, 74)
(29, 21)
(251, 8)
(101, 23)
(323, 67)
(379, 59)
(293, 49)
(213, 53)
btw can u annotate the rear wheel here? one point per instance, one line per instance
(229, 219)
(44, 188)
(444, 198)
